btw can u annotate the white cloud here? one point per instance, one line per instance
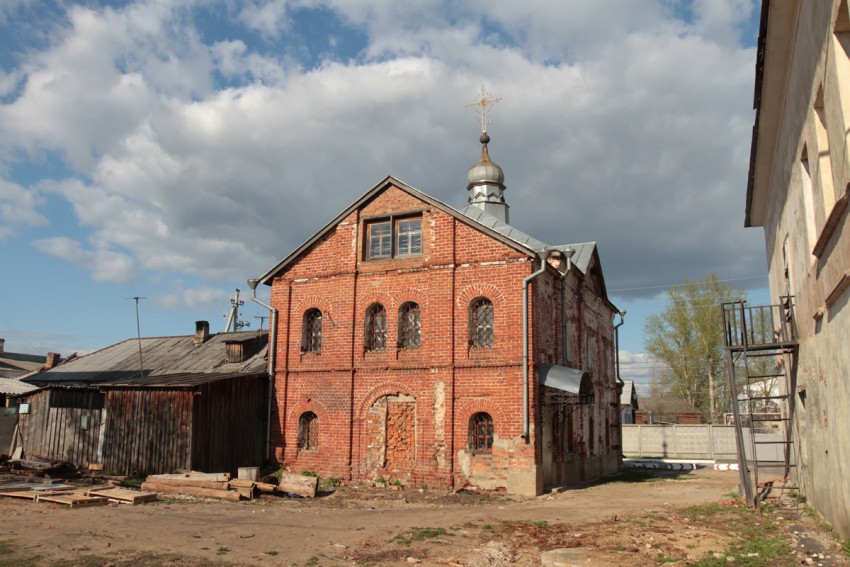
(18, 208)
(104, 264)
(620, 122)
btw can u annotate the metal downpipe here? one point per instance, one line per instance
(543, 256)
(252, 283)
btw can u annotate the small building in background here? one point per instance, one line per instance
(154, 405)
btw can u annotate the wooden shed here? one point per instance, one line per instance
(200, 402)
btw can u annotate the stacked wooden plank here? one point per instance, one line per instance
(205, 485)
(222, 487)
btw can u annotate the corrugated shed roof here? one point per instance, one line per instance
(160, 356)
(177, 380)
(14, 387)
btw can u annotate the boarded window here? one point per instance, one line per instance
(311, 331)
(409, 326)
(481, 323)
(376, 328)
(308, 431)
(481, 433)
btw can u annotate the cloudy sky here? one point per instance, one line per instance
(171, 149)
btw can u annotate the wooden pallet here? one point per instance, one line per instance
(72, 499)
(122, 495)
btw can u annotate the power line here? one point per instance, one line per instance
(21, 338)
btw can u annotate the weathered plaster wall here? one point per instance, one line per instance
(808, 244)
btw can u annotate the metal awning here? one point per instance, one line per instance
(571, 380)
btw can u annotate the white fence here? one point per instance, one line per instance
(680, 441)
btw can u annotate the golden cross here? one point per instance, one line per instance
(485, 100)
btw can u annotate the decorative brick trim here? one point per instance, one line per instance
(312, 405)
(475, 405)
(311, 301)
(470, 292)
(386, 389)
(411, 294)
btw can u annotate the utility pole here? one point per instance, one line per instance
(139, 335)
(262, 319)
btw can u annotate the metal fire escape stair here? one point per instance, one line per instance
(761, 354)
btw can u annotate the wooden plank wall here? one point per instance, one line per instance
(148, 431)
(56, 432)
(230, 425)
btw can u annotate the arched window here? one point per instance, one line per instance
(409, 326)
(308, 431)
(481, 433)
(481, 323)
(376, 327)
(311, 331)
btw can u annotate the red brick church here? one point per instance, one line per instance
(399, 349)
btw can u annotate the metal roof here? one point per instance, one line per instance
(566, 379)
(14, 387)
(160, 356)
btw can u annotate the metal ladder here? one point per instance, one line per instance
(761, 348)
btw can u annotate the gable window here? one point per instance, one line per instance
(409, 237)
(311, 331)
(409, 326)
(481, 433)
(481, 323)
(380, 239)
(308, 431)
(376, 328)
(392, 237)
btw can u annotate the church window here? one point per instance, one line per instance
(308, 431)
(376, 327)
(481, 323)
(481, 433)
(409, 326)
(311, 331)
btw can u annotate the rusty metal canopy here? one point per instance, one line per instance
(571, 380)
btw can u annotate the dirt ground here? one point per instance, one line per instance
(638, 520)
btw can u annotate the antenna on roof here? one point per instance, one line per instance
(139, 335)
(262, 319)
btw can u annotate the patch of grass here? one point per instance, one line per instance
(222, 551)
(332, 482)
(308, 473)
(703, 510)
(381, 480)
(312, 562)
(639, 522)
(811, 512)
(845, 547)
(397, 483)
(487, 526)
(418, 534)
(272, 553)
(760, 542)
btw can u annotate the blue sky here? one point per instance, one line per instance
(171, 149)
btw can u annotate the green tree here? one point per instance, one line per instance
(687, 337)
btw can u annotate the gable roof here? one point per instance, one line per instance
(160, 356)
(470, 215)
(516, 241)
